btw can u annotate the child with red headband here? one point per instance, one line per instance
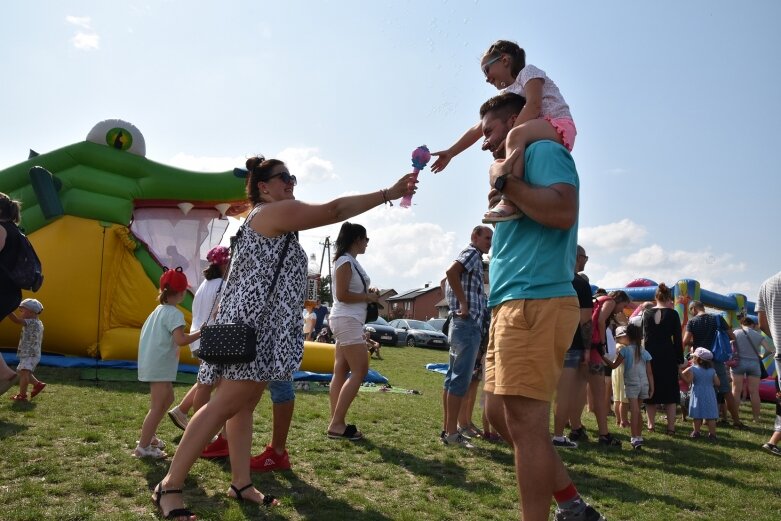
(158, 358)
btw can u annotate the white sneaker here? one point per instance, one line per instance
(179, 418)
(148, 452)
(457, 440)
(156, 442)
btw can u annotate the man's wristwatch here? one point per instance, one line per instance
(500, 182)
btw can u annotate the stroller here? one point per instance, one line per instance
(325, 336)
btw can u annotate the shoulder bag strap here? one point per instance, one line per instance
(358, 271)
(753, 345)
(273, 281)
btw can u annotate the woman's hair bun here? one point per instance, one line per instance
(254, 162)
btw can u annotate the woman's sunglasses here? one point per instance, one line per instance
(286, 178)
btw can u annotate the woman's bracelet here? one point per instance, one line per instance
(385, 199)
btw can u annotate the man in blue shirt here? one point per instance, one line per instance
(535, 310)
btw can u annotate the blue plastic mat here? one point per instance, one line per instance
(438, 368)
(83, 362)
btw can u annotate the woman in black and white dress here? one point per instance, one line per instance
(276, 317)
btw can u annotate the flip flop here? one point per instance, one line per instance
(351, 433)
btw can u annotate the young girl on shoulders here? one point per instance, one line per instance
(702, 404)
(158, 358)
(546, 116)
(638, 376)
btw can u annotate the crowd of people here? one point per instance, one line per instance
(546, 337)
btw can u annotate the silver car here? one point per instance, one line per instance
(419, 333)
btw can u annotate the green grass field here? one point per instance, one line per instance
(66, 456)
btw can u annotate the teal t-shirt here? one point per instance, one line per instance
(158, 356)
(529, 260)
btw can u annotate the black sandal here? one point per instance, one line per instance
(176, 512)
(268, 499)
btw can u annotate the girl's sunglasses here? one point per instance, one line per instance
(490, 62)
(286, 178)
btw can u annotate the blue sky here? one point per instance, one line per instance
(676, 106)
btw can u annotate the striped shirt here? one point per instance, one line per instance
(769, 301)
(471, 282)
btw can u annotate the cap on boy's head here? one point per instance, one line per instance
(175, 280)
(31, 304)
(703, 353)
(621, 331)
(219, 255)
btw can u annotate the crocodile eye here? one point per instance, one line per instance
(120, 135)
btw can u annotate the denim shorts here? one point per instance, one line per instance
(464, 335)
(573, 357)
(637, 390)
(747, 368)
(281, 391)
(725, 382)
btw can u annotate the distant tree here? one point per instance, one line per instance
(397, 311)
(325, 289)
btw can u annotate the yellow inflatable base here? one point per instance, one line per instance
(123, 342)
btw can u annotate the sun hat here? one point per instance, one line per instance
(219, 255)
(32, 304)
(703, 353)
(174, 280)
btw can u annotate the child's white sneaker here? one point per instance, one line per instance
(148, 452)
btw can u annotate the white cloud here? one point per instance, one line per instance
(86, 41)
(612, 236)
(307, 165)
(79, 21)
(712, 270)
(402, 254)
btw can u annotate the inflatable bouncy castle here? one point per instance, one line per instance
(104, 221)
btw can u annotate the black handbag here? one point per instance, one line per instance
(372, 308)
(234, 343)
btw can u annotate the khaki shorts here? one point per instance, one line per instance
(526, 346)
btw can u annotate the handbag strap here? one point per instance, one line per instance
(358, 271)
(276, 271)
(753, 345)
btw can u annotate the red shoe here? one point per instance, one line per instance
(19, 397)
(269, 460)
(37, 388)
(216, 449)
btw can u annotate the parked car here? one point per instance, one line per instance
(419, 333)
(380, 331)
(437, 323)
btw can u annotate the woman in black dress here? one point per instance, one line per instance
(662, 339)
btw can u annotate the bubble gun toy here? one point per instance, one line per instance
(420, 158)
